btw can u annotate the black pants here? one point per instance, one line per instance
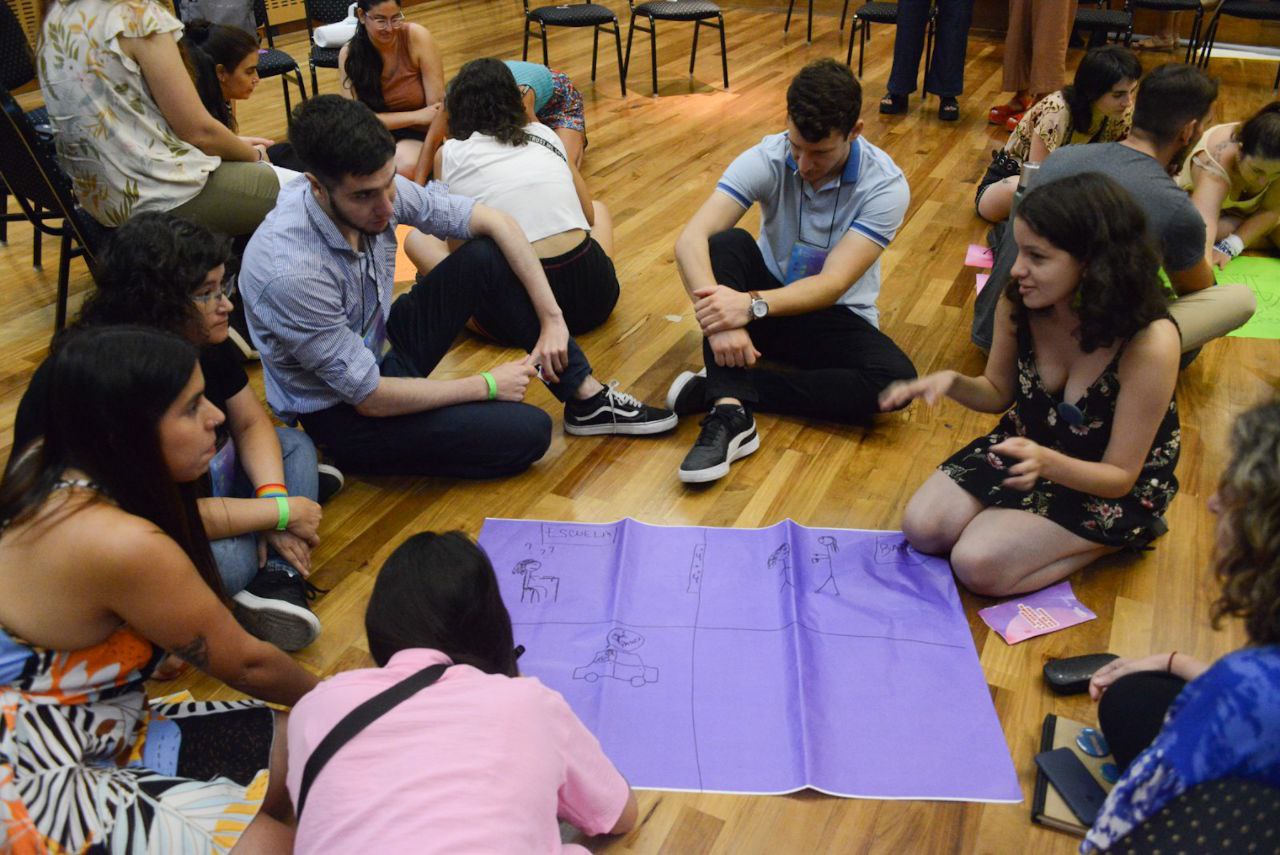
(833, 363)
(946, 68)
(481, 440)
(1132, 712)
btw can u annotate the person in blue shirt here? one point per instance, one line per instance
(804, 295)
(1174, 722)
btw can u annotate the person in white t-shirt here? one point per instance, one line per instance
(499, 156)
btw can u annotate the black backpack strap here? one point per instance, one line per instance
(360, 718)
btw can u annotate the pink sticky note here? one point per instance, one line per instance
(1047, 610)
(978, 256)
(982, 281)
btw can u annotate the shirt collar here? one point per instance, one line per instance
(851, 166)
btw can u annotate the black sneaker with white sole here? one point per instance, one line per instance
(728, 434)
(688, 393)
(274, 607)
(331, 481)
(610, 411)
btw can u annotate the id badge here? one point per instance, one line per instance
(375, 336)
(222, 469)
(806, 260)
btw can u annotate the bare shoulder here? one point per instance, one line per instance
(120, 543)
(419, 36)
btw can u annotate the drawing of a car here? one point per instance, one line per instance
(619, 666)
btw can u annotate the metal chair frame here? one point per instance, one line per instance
(864, 35)
(530, 18)
(1211, 36)
(791, 5)
(698, 24)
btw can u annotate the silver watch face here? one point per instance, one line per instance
(759, 308)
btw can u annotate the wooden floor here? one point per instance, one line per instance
(653, 161)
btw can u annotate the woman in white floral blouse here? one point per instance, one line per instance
(1084, 361)
(130, 129)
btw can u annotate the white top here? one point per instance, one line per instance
(115, 144)
(531, 182)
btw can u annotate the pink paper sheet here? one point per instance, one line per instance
(978, 256)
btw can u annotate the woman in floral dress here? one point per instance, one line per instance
(1084, 361)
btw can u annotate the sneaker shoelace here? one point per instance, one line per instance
(309, 590)
(714, 426)
(616, 396)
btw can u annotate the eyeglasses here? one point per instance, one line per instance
(226, 289)
(385, 23)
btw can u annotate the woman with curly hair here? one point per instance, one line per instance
(394, 67)
(1174, 722)
(508, 160)
(1084, 361)
(163, 272)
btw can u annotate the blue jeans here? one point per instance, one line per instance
(946, 69)
(237, 557)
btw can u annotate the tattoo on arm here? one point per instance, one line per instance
(195, 651)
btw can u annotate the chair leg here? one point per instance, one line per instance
(64, 280)
(1194, 40)
(844, 14)
(288, 107)
(786, 27)
(525, 54)
(693, 54)
(545, 60)
(315, 83)
(626, 65)
(930, 32)
(848, 58)
(724, 53)
(862, 45)
(37, 242)
(622, 69)
(595, 49)
(4, 215)
(653, 52)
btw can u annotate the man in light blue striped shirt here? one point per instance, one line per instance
(353, 366)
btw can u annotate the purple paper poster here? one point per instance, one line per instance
(757, 660)
(1047, 610)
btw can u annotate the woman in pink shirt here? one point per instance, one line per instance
(481, 760)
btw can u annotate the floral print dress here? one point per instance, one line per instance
(1083, 433)
(88, 765)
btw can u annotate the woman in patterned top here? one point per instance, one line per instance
(1221, 720)
(1096, 107)
(131, 131)
(103, 566)
(1084, 361)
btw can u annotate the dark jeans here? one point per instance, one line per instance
(946, 68)
(1132, 712)
(836, 363)
(481, 440)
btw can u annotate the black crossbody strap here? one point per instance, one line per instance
(549, 146)
(360, 718)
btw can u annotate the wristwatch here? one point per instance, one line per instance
(759, 308)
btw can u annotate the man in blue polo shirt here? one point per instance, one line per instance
(804, 295)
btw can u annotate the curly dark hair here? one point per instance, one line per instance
(1247, 558)
(484, 99)
(335, 137)
(1094, 219)
(824, 97)
(1100, 69)
(364, 63)
(148, 272)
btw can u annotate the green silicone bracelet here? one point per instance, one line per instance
(493, 385)
(282, 505)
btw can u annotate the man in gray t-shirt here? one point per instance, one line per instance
(1172, 104)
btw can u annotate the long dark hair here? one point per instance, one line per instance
(1247, 560)
(1094, 219)
(440, 591)
(149, 270)
(1260, 135)
(207, 46)
(484, 99)
(364, 63)
(1100, 69)
(108, 390)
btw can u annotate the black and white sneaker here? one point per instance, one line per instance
(331, 481)
(688, 393)
(274, 607)
(610, 411)
(728, 434)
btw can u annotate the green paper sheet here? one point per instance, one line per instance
(1262, 275)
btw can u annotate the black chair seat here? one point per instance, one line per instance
(678, 10)
(1097, 19)
(878, 13)
(275, 62)
(573, 15)
(1168, 5)
(1254, 11)
(324, 57)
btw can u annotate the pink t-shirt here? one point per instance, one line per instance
(473, 763)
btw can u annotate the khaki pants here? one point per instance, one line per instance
(1204, 315)
(1035, 48)
(235, 198)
